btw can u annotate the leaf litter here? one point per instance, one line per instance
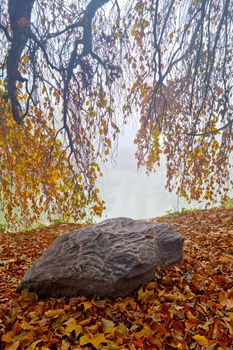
(187, 306)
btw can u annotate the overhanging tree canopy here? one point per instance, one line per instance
(70, 68)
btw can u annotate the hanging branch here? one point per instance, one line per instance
(20, 17)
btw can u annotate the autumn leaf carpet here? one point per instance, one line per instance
(188, 306)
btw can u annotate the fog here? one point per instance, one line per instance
(131, 193)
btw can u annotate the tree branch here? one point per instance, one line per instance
(4, 29)
(20, 17)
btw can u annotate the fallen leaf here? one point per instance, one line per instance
(225, 300)
(8, 336)
(95, 340)
(201, 339)
(34, 344)
(13, 346)
(71, 325)
(54, 313)
(87, 305)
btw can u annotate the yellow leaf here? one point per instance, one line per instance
(141, 294)
(110, 330)
(84, 339)
(34, 344)
(230, 328)
(161, 292)
(206, 325)
(200, 153)
(95, 340)
(188, 291)
(107, 324)
(73, 326)
(122, 307)
(190, 315)
(87, 305)
(201, 339)
(54, 313)
(86, 321)
(93, 328)
(27, 294)
(123, 329)
(202, 309)
(109, 327)
(25, 58)
(25, 325)
(98, 339)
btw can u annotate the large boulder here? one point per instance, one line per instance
(110, 259)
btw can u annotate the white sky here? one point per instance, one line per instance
(130, 193)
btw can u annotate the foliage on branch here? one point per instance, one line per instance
(80, 65)
(35, 177)
(183, 86)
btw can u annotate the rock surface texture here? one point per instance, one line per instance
(110, 259)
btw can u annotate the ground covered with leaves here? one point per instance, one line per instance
(187, 306)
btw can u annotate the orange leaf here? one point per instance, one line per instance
(13, 346)
(151, 286)
(139, 343)
(225, 300)
(8, 336)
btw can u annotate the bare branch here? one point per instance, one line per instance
(6, 32)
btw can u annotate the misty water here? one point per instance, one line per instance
(131, 193)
